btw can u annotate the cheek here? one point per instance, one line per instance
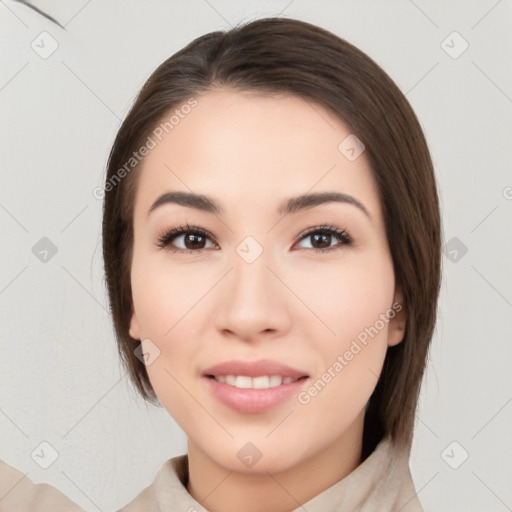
(164, 295)
(348, 295)
(353, 302)
(350, 301)
(166, 301)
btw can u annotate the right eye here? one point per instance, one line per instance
(193, 239)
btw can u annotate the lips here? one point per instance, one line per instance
(254, 387)
(254, 369)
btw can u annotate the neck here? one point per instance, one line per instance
(219, 489)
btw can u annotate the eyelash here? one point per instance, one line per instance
(165, 239)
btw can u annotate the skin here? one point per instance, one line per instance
(294, 304)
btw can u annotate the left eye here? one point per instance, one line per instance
(321, 237)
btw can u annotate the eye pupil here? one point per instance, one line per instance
(323, 238)
(193, 238)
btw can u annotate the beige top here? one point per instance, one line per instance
(382, 483)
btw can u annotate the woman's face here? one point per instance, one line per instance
(258, 284)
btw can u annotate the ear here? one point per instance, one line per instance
(134, 329)
(397, 324)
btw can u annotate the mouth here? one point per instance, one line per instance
(252, 387)
(242, 371)
(260, 382)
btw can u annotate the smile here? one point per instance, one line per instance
(244, 396)
(260, 382)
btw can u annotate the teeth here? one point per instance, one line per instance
(243, 382)
(261, 382)
(275, 380)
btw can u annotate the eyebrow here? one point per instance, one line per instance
(292, 205)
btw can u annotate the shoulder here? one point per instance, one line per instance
(168, 491)
(18, 492)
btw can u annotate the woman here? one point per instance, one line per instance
(271, 240)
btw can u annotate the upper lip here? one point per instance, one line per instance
(255, 369)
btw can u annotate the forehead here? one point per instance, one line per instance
(235, 145)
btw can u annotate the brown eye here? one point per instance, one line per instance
(194, 241)
(321, 238)
(184, 238)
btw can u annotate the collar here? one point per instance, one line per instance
(381, 483)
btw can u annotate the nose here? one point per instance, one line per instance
(253, 302)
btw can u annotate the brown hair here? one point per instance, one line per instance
(276, 55)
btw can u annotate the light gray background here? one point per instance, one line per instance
(61, 380)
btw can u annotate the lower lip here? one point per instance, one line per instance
(253, 401)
